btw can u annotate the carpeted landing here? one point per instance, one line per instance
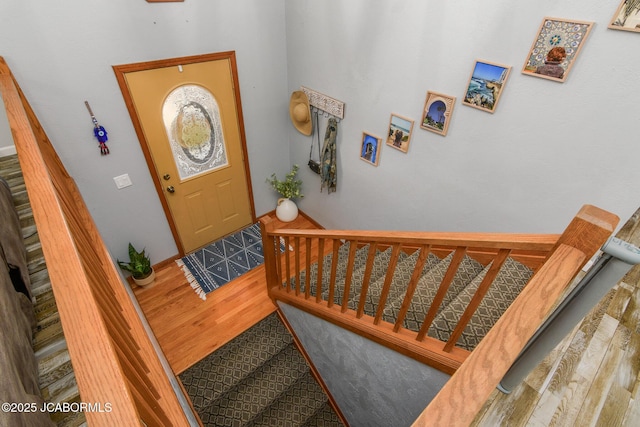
(258, 379)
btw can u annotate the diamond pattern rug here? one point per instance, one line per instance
(222, 261)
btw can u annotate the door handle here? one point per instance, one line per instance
(170, 189)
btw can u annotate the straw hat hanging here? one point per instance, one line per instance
(300, 112)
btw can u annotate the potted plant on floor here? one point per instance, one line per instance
(139, 266)
(290, 188)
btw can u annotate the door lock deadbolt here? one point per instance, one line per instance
(166, 177)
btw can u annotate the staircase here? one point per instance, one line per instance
(508, 283)
(57, 380)
(258, 379)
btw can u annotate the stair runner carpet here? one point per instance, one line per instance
(258, 379)
(57, 380)
(509, 282)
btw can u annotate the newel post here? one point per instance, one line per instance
(269, 248)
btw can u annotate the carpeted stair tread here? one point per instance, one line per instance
(343, 254)
(376, 281)
(219, 372)
(380, 264)
(324, 416)
(509, 282)
(359, 263)
(295, 405)
(427, 288)
(247, 399)
(401, 278)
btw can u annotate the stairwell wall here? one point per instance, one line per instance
(548, 149)
(62, 54)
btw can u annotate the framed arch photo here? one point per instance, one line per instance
(370, 149)
(627, 17)
(437, 112)
(555, 48)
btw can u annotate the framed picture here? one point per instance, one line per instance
(399, 135)
(437, 112)
(555, 48)
(486, 85)
(370, 150)
(627, 17)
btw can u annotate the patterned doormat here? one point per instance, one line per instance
(222, 261)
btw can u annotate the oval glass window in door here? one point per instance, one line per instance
(192, 121)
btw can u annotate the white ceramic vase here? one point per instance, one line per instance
(287, 210)
(147, 281)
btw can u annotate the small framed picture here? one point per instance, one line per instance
(370, 150)
(437, 112)
(486, 85)
(627, 17)
(555, 48)
(399, 135)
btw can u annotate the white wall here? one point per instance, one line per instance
(62, 53)
(548, 149)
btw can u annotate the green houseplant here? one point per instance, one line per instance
(290, 188)
(139, 266)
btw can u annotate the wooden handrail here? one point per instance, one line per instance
(113, 358)
(513, 241)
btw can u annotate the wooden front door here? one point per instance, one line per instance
(188, 117)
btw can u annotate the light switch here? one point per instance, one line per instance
(122, 181)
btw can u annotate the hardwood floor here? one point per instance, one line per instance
(591, 378)
(188, 328)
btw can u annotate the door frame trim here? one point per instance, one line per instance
(121, 70)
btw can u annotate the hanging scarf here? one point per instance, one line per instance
(329, 170)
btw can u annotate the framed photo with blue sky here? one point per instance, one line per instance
(400, 130)
(486, 85)
(370, 149)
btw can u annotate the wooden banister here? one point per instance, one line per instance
(285, 282)
(113, 358)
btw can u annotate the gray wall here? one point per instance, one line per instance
(548, 149)
(62, 54)
(372, 385)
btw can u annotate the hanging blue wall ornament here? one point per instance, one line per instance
(99, 132)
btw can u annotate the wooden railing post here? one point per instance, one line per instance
(269, 248)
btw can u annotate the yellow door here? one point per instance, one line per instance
(191, 124)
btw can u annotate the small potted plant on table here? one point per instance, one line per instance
(139, 266)
(290, 188)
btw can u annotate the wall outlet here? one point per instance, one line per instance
(122, 181)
